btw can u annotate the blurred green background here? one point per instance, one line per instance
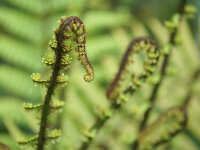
(26, 26)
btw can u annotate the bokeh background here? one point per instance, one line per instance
(26, 26)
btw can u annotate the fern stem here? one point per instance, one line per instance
(68, 36)
(98, 125)
(189, 93)
(116, 95)
(48, 97)
(154, 93)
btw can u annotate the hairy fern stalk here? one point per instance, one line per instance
(70, 35)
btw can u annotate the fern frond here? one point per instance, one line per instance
(16, 82)
(13, 112)
(151, 50)
(19, 54)
(61, 4)
(23, 25)
(56, 105)
(52, 136)
(32, 6)
(118, 92)
(172, 122)
(96, 20)
(70, 35)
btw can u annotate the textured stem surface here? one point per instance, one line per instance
(70, 35)
(48, 97)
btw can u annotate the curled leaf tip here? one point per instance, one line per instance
(71, 35)
(139, 46)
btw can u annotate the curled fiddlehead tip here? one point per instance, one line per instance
(169, 124)
(145, 45)
(71, 35)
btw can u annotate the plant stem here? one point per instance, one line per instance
(153, 96)
(189, 93)
(47, 100)
(113, 92)
(98, 125)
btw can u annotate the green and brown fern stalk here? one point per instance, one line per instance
(169, 124)
(136, 46)
(70, 35)
(192, 81)
(126, 81)
(173, 26)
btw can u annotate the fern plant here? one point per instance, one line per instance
(70, 35)
(126, 81)
(134, 124)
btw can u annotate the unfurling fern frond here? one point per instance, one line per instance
(70, 35)
(149, 51)
(172, 122)
(127, 80)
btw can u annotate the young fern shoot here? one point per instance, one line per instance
(169, 124)
(173, 27)
(70, 35)
(136, 46)
(126, 81)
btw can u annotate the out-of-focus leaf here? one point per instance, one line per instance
(18, 83)
(96, 20)
(20, 54)
(22, 25)
(163, 129)
(4, 147)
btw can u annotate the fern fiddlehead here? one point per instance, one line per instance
(165, 63)
(73, 35)
(135, 47)
(169, 124)
(173, 25)
(121, 89)
(70, 35)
